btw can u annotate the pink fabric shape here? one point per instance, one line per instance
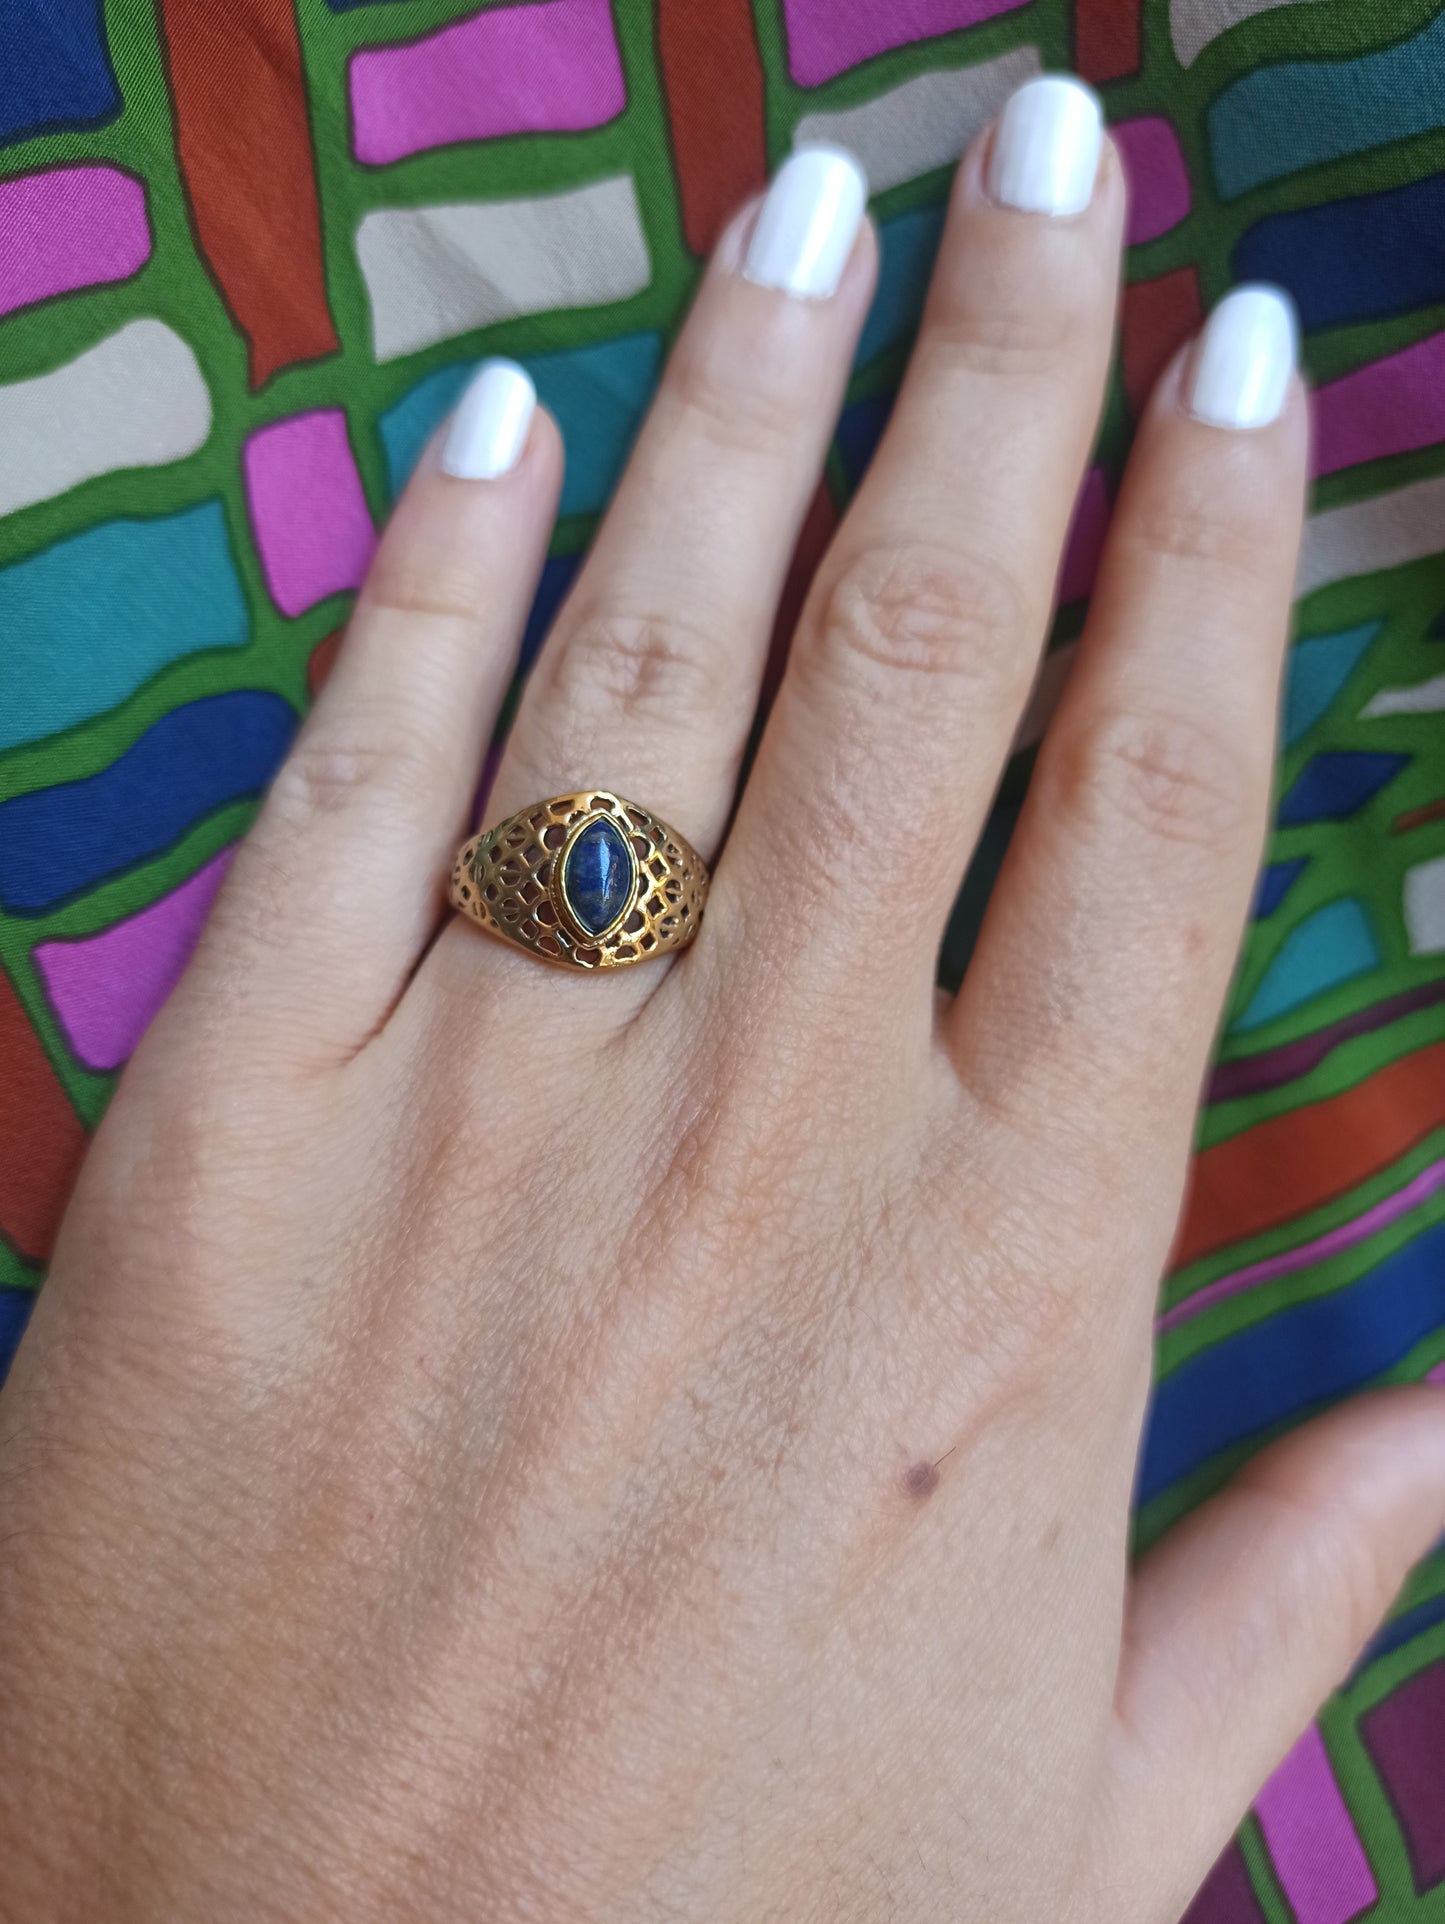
(313, 527)
(825, 37)
(66, 228)
(1312, 1840)
(107, 988)
(1386, 407)
(1158, 179)
(550, 66)
(1086, 537)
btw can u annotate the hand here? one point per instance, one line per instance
(499, 1444)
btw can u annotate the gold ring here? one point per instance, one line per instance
(589, 881)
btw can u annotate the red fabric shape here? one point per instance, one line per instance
(1158, 316)
(1106, 39)
(41, 1137)
(321, 662)
(713, 75)
(248, 174)
(1293, 1163)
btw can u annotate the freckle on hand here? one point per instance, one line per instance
(920, 1480)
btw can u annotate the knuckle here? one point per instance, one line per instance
(953, 615)
(327, 772)
(735, 411)
(1220, 535)
(1005, 340)
(431, 584)
(637, 667)
(1172, 777)
(1343, 1572)
(1351, 1551)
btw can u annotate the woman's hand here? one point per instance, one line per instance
(505, 1445)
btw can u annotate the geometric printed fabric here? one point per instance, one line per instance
(248, 252)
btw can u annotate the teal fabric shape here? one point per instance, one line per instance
(598, 395)
(907, 249)
(1333, 945)
(1318, 669)
(1276, 120)
(92, 619)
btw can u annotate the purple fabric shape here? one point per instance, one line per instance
(1226, 1896)
(1405, 1735)
(1316, 1851)
(107, 989)
(1158, 178)
(69, 227)
(313, 528)
(826, 37)
(1084, 547)
(550, 66)
(1388, 406)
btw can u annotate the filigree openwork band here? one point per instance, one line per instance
(588, 881)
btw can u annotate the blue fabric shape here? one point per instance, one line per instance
(92, 619)
(1336, 784)
(1333, 945)
(1401, 1630)
(1275, 884)
(1317, 670)
(860, 429)
(15, 1308)
(598, 394)
(55, 842)
(557, 577)
(54, 67)
(1353, 260)
(1279, 1369)
(907, 249)
(1279, 119)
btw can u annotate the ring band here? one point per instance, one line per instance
(588, 881)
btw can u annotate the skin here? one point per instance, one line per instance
(501, 1445)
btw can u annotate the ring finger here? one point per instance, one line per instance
(649, 681)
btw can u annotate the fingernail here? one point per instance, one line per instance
(489, 428)
(1046, 148)
(808, 223)
(1245, 358)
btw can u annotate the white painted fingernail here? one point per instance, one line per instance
(1245, 358)
(808, 223)
(489, 428)
(1046, 148)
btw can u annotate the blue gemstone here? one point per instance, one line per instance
(598, 877)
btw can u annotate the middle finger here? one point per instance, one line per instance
(915, 654)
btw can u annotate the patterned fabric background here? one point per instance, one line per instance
(248, 252)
